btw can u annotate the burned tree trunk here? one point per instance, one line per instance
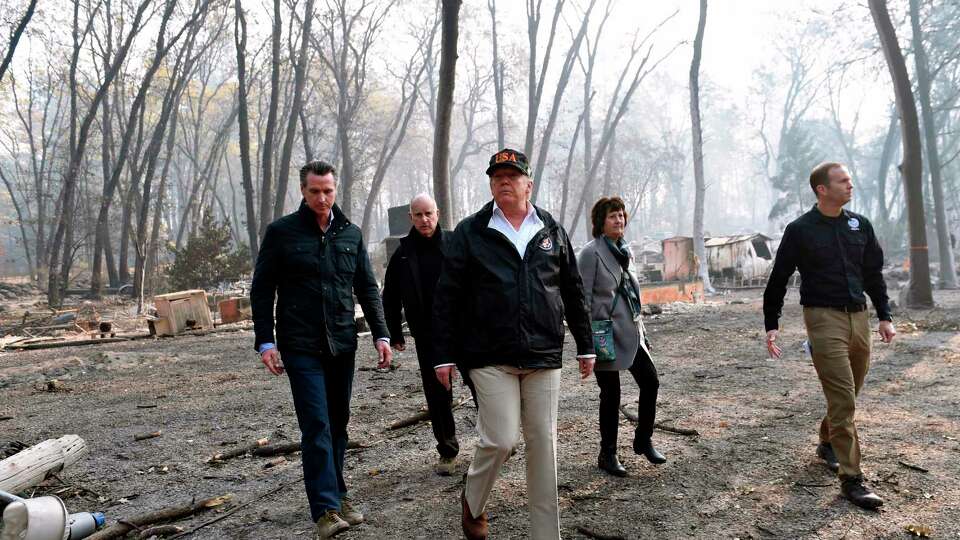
(266, 162)
(296, 110)
(948, 271)
(240, 40)
(441, 140)
(918, 293)
(701, 188)
(15, 37)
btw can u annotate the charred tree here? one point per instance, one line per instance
(948, 271)
(450, 31)
(918, 293)
(701, 188)
(243, 120)
(15, 37)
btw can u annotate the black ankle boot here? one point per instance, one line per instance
(644, 447)
(607, 460)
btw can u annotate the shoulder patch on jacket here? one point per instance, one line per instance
(546, 244)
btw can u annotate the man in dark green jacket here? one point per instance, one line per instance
(312, 262)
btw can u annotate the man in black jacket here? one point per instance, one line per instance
(408, 288)
(509, 277)
(312, 262)
(839, 260)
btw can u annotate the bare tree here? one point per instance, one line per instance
(697, 131)
(450, 30)
(296, 109)
(79, 134)
(344, 45)
(948, 271)
(243, 120)
(536, 94)
(633, 74)
(498, 70)
(15, 37)
(918, 292)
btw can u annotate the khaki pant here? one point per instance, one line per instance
(509, 397)
(840, 345)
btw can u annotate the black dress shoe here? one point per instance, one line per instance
(645, 448)
(608, 461)
(826, 453)
(854, 490)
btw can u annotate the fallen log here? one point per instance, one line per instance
(65, 343)
(237, 452)
(145, 436)
(33, 465)
(421, 416)
(160, 531)
(236, 508)
(276, 449)
(632, 416)
(124, 526)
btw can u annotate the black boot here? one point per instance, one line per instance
(854, 490)
(826, 453)
(607, 460)
(644, 447)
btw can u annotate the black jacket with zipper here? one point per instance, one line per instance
(313, 277)
(493, 308)
(405, 294)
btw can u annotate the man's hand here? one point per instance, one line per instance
(399, 346)
(772, 348)
(586, 367)
(887, 331)
(271, 359)
(446, 375)
(385, 354)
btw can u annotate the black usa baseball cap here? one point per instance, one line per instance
(509, 157)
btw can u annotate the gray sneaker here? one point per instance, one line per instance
(446, 466)
(349, 513)
(329, 525)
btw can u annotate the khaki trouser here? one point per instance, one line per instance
(840, 343)
(509, 397)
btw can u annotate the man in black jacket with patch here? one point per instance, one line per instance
(312, 262)
(509, 279)
(840, 262)
(408, 288)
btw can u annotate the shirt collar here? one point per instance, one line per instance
(498, 212)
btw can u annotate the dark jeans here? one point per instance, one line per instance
(439, 402)
(645, 374)
(321, 386)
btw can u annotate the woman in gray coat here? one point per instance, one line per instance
(612, 293)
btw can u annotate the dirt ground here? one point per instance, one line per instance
(751, 472)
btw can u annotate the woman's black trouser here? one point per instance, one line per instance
(645, 373)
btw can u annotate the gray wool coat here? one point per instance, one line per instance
(601, 274)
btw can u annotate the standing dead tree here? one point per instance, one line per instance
(111, 182)
(498, 69)
(537, 83)
(79, 134)
(635, 71)
(296, 109)
(450, 31)
(266, 162)
(918, 293)
(243, 121)
(396, 130)
(15, 37)
(948, 271)
(344, 45)
(697, 132)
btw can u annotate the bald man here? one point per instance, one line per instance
(412, 275)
